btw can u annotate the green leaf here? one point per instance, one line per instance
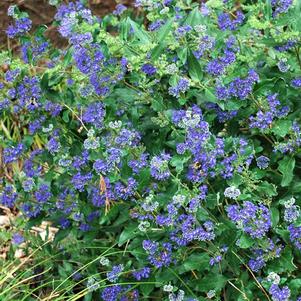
(126, 94)
(267, 188)
(296, 186)
(274, 216)
(66, 116)
(28, 140)
(138, 32)
(199, 262)
(182, 100)
(245, 241)
(182, 54)
(286, 167)
(178, 162)
(44, 81)
(233, 105)
(284, 263)
(88, 297)
(146, 289)
(202, 214)
(268, 9)
(158, 104)
(158, 50)
(126, 234)
(295, 285)
(194, 68)
(67, 58)
(162, 34)
(236, 180)
(124, 29)
(195, 17)
(144, 178)
(210, 96)
(55, 80)
(164, 30)
(164, 276)
(284, 234)
(282, 127)
(61, 234)
(209, 282)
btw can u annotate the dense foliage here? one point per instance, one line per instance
(164, 143)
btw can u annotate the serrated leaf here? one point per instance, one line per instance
(284, 263)
(144, 178)
(61, 234)
(267, 188)
(286, 167)
(138, 32)
(194, 68)
(199, 262)
(164, 30)
(282, 127)
(295, 285)
(126, 234)
(147, 288)
(274, 216)
(195, 17)
(182, 54)
(178, 162)
(211, 281)
(245, 241)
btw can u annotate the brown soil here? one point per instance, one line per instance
(41, 12)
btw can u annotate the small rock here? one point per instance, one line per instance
(19, 253)
(43, 235)
(4, 221)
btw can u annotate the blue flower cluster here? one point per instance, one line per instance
(263, 119)
(167, 140)
(21, 26)
(238, 88)
(253, 219)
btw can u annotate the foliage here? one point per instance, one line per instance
(164, 144)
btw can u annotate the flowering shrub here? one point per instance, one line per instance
(164, 144)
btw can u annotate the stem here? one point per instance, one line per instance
(256, 280)
(77, 117)
(239, 290)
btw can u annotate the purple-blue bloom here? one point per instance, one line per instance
(280, 6)
(263, 162)
(8, 196)
(21, 27)
(296, 83)
(17, 239)
(13, 153)
(143, 273)
(181, 87)
(148, 69)
(254, 219)
(226, 22)
(159, 167)
(278, 293)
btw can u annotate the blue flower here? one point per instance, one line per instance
(21, 27)
(149, 69)
(17, 239)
